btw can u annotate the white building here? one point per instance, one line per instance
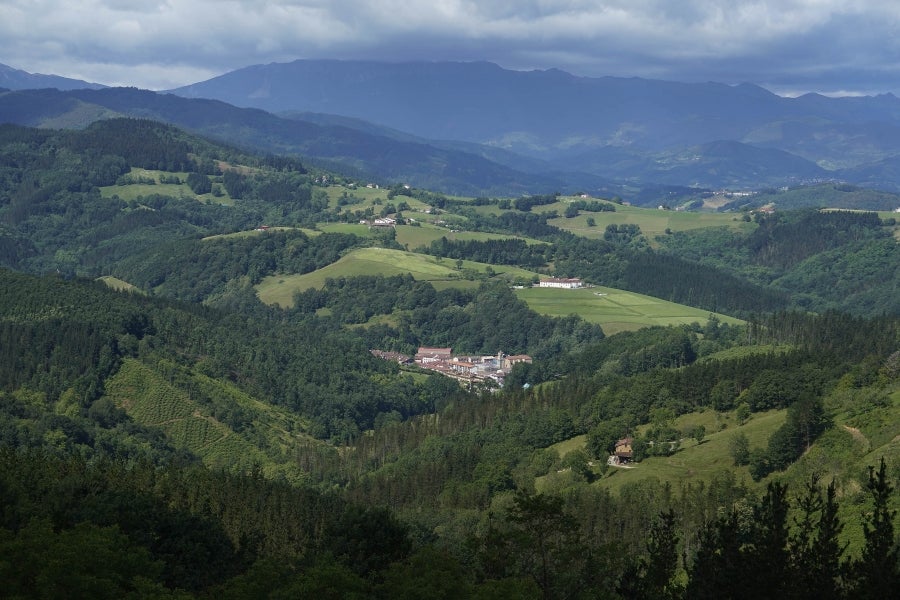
(555, 282)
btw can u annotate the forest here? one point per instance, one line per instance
(182, 439)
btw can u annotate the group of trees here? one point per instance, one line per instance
(487, 320)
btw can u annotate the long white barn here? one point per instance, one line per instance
(555, 282)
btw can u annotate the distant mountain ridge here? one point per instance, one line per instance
(388, 158)
(479, 129)
(16, 79)
(555, 116)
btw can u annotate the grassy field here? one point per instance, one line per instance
(256, 232)
(745, 352)
(414, 237)
(279, 289)
(652, 221)
(693, 462)
(134, 191)
(614, 310)
(699, 461)
(118, 284)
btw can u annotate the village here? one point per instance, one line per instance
(466, 369)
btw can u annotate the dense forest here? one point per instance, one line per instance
(183, 439)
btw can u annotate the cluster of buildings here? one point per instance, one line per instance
(463, 368)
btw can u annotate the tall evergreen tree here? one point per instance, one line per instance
(815, 549)
(876, 573)
(768, 556)
(718, 569)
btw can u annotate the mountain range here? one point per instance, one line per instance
(476, 128)
(17, 79)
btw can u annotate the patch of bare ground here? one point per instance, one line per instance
(859, 437)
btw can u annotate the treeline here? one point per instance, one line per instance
(484, 321)
(526, 203)
(784, 240)
(664, 276)
(195, 270)
(140, 143)
(495, 252)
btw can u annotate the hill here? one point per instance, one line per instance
(16, 79)
(653, 122)
(367, 155)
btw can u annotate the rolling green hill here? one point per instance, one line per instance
(279, 289)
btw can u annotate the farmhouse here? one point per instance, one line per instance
(623, 453)
(555, 282)
(384, 222)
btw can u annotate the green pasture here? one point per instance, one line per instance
(279, 289)
(738, 352)
(694, 462)
(576, 443)
(354, 228)
(256, 232)
(117, 284)
(418, 236)
(652, 221)
(360, 197)
(133, 191)
(614, 310)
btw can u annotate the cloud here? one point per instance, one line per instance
(165, 43)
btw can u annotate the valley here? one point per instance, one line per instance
(186, 376)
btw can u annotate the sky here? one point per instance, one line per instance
(834, 47)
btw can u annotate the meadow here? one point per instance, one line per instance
(279, 289)
(692, 462)
(614, 310)
(133, 191)
(652, 221)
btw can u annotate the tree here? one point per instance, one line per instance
(739, 447)
(719, 570)
(759, 464)
(699, 433)
(815, 549)
(876, 573)
(199, 184)
(539, 540)
(768, 556)
(656, 571)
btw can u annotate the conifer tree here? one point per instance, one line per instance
(815, 549)
(876, 573)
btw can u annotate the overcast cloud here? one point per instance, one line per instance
(788, 46)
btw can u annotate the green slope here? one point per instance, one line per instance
(256, 434)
